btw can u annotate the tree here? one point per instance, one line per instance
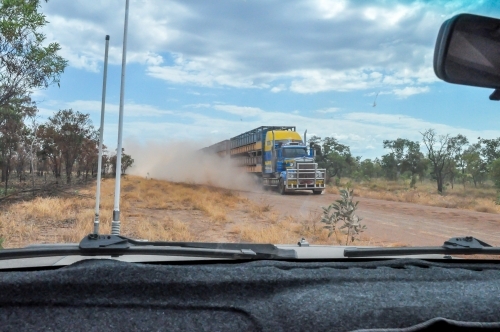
(405, 156)
(64, 136)
(440, 152)
(335, 157)
(127, 161)
(9, 141)
(25, 63)
(413, 159)
(475, 166)
(458, 144)
(495, 172)
(12, 130)
(388, 164)
(49, 153)
(398, 149)
(88, 157)
(490, 149)
(32, 141)
(367, 168)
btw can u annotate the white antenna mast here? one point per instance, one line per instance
(101, 132)
(115, 224)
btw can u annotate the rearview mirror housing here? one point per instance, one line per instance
(467, 52)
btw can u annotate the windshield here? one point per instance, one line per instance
(205, 88)
(294, 152)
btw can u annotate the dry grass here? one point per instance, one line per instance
(69, 219)
(481, 199)
(258, 210)
(166, 229)
(160, 210)
(287, 229)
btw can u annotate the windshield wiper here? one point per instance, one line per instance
(467, 245)
(116, 245)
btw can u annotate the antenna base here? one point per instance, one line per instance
(115, 228)
(96, 224)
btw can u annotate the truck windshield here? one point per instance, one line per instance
(294, 152)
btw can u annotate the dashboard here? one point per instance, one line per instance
(400, 294)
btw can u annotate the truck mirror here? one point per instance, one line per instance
(467, 51)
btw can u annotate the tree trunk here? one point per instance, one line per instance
(6, 177)
(439, 179)
(68, 176)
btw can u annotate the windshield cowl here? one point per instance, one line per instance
(129, 250)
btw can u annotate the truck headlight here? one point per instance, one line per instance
(319, 174)
(292, 175)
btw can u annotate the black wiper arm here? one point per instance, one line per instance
(115, 245)
(455, 246)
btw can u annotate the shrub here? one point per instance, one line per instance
(343, 210)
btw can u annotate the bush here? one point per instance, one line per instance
(343, 210)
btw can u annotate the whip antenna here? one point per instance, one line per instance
(115, 224)
(101, 132)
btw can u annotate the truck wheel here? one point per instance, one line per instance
(317, 192)
(281, 187)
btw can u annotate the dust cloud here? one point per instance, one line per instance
(183, 162)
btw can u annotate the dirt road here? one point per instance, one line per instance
(405, 223)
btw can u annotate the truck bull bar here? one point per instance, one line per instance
(305, 176)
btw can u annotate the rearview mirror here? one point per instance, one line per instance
(467, 52)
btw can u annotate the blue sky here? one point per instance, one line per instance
(203, 71)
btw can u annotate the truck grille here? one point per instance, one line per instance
(306, 170)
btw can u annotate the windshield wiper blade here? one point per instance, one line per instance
(467, 245)
(116, 245)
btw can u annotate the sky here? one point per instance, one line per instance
(204, 71)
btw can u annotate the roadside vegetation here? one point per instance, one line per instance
(480, 199)
(158, 210)
(440, 170)
(63, 145)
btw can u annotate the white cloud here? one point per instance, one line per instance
(330, 8)
(392, 16)
(239, 110)
(94, 107)
(410, 91)
(328, 110)
(355, 46)
(199, 105)
(278, 88)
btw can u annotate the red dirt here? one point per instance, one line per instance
(387, 221)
